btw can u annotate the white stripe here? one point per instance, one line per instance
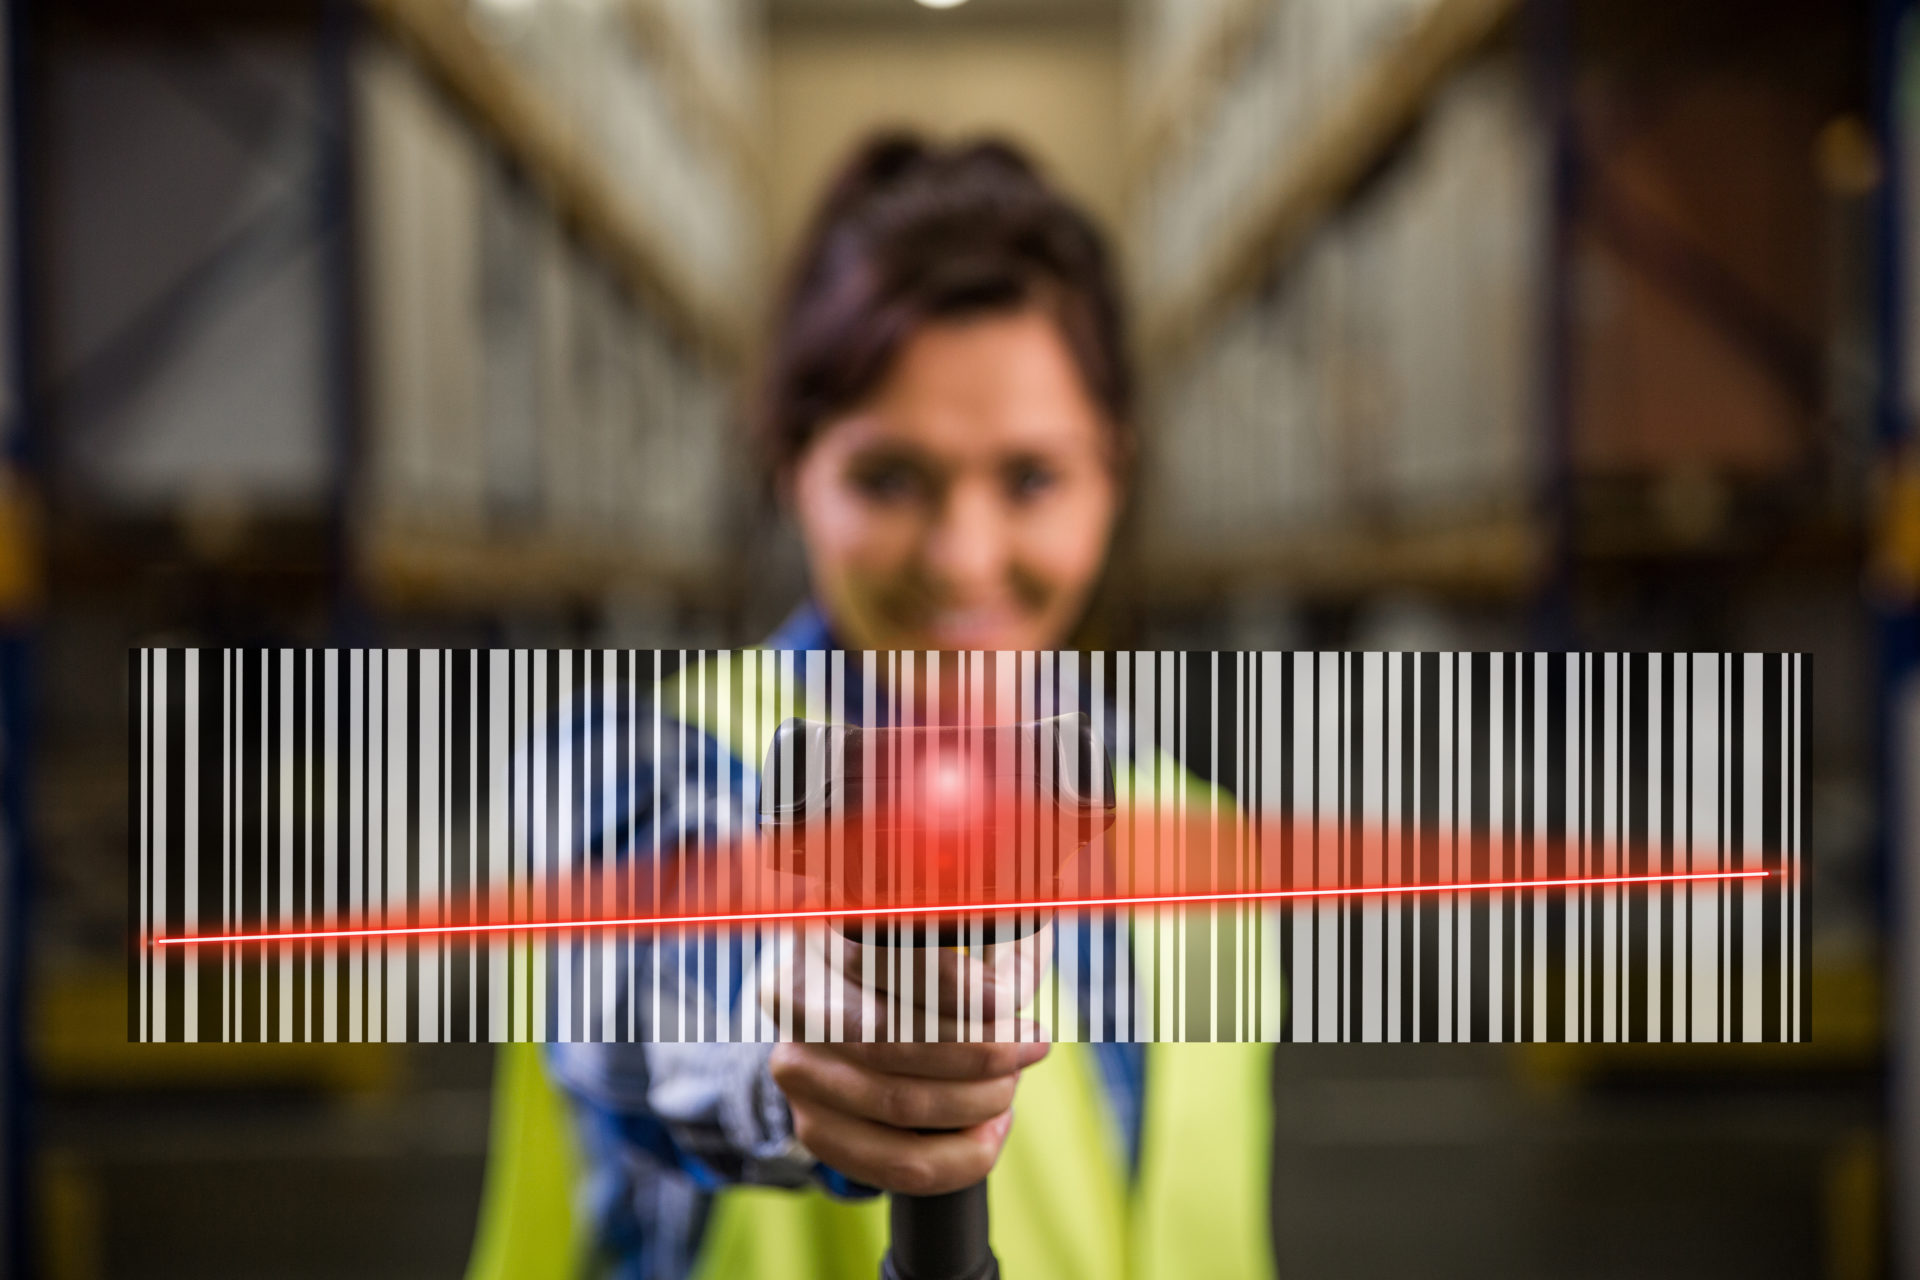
(520, 900)
(653, 861)
(356, 850)
(1169, 784)
(158, 909)
(568, 957)
(376, 839)
(143, 699)
(1658, 847)
(1449, 782)
(733, 823)
(396, 850)
(1789, 808)
(1396, 843)
(190, 847)
(1373, 809)
(330, 841)
(310, 856)
(497, 888)
(1147, 729)
(1305, 859)
(1126, 851)
(1072, 863)
(226, 841)
(1572, 847)
(427, 860)
(266, 833)
(1681, 745)
(1273, 800)
(812, 668)
(1801, 1023)
(1244, 764)
(1212, 851)
(870, 695)
(540, 888)
(1541, 673)
(1462, 905)
(1420, 1029)
(606, 742)
(1103, 860)
(1327, 850)
(1589, 852)
(283, 771)
(1752, 850)
(1495, 835)
(477, 882)
(1610, 832)
(1706, 837)
(784, 675)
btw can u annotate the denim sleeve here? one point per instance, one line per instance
(683, 1089)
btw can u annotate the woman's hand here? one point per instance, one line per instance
(921, 1119)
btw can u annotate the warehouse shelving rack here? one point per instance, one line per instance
(432, 564)
(1570, 535)
(1897, 571)
(424, 566)
(20, 598)
(1347, 139)
(1531, 546)
(241, 570)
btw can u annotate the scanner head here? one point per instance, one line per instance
(935, 815)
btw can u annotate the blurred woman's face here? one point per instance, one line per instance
(968, 503)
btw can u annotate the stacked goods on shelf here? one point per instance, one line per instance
(1237, 444)
(552, 260)
(1463, 305)
(671, 167)
(514, 240)
(1184, 205)
(1168, 39)
(722, 43)
(420, 186)
(1257, 88)
(1378, 380)
(542, 400)
(1379, 170)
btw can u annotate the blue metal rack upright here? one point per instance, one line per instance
(1897, 726)
(17, 458)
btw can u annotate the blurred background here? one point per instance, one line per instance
(1467, 324)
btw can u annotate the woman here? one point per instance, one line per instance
(948, 417)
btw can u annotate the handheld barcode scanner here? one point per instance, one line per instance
(944, 816)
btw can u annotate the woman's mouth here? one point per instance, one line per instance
(979, 627)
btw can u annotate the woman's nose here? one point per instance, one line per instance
(966, 550)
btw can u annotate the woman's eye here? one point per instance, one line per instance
(889, 481)
(1029, 480)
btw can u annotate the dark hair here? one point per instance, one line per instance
(910, 233)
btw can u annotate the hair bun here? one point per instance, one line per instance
(880, 162)
(911, 233)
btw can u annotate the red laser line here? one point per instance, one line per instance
(976, 908)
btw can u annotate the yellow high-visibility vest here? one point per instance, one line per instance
(1060, 1201)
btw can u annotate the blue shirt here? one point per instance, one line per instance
(665, 1126)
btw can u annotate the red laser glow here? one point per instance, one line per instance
(975, 908)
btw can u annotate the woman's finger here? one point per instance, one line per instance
(919, 1164)
(974, 1061)
(815, 984)
(808, 1073)
(991, 982)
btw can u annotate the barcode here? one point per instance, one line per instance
(494, 845)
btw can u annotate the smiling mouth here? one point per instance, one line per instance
(970, 628)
